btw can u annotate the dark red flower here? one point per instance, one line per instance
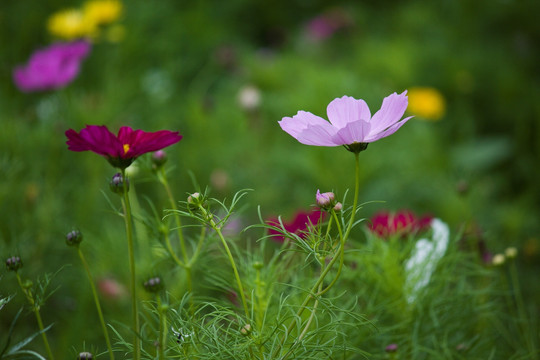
(385, 224)
(298, 226)
(122, 149)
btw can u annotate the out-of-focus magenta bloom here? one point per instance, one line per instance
(122, 149)
(302, 220)
(351, 123)
(385, 224)
(51, 68)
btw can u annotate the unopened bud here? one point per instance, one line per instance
(159, 158)
(153, 285)
(338, 207)
(14, 263)
(85, 356)
(74, 238)
(246, 330)
(117, 184)
(511, 252)
(392, 348)
(325, 200)
(194, 200)
(257, 265)
(498, 259)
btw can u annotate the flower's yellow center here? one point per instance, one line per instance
(126, 148)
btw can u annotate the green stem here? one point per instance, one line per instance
(217, 229)
(133, 284)
(96, 300)
(162, 329)
(314, 290)
(521, 308)
(35, 309)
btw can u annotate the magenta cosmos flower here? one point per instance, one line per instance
(51, 68)
(122, 149)
(299, 225)
(385, 224)
(351, 123)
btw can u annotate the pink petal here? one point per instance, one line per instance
(313, 130)
(353, 132)
(392, 129)
(392, 109)
(344, 110)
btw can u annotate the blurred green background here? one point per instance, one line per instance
(224, 73)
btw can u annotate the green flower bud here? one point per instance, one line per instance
(14, 263)
(85, 356)
(117, 184)
(153, 285)
(74, 238)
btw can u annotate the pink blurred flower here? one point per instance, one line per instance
(302, 220)
(122, 149)
(111, 289)
(53, 67)
(385, 224)
(351, 123)
(325, 25)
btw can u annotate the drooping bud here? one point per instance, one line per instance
(85, 356)
(74, 238)
(117, 184)
(159, 158)
(153, 285)
(14, 263)
(325, 200)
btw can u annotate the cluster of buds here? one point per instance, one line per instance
(153, 285)
(118, 183)
(500, 259)
(74, 238)
(327, 201)
(246, 330)
(14, 263)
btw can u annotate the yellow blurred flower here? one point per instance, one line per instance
(426, 102)
(70, 24)
(102, 11)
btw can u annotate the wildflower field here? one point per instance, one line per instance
(270, 180)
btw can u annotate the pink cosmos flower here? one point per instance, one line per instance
(51, 68)
(122, 149)
(385, 224)
(302, 220)
(351, 123)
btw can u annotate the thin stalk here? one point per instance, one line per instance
(217, 229)
(96, 301)
(521, 308)
(35, 309)
(133, 284)
(162, 328)
(185, 264)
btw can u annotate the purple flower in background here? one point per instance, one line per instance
(122, 149)
(351, 123)
(52, 67)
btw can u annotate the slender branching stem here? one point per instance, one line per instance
(133, 284)
(316, 289)
(35, 309)
(96, 301)
(217, 229)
